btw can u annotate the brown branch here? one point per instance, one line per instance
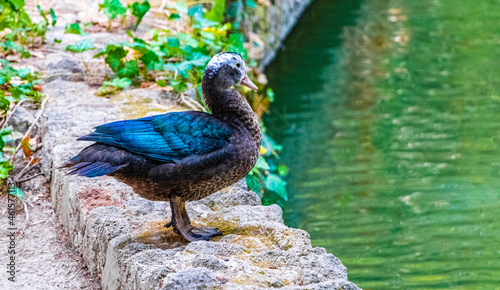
(26, 222)
(31, 126)
(28, 178)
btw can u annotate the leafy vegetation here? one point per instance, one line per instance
(139, 9)
(74, 28)
(114, 8)
(81, 46)
(15, 85)
(5, 165)
(266, 178)
(19, 34)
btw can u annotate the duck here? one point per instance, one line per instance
(181, 156)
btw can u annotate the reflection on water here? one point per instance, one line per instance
(389, 113)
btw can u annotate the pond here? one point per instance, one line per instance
(389, 114)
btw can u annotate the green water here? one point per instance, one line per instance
(389, 113)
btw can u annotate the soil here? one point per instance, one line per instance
(44, 259)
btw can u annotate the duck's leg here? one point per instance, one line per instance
(182, 224)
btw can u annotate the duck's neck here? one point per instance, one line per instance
(232, 108)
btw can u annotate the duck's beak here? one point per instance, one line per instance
(248, 83)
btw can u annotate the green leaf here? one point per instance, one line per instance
(161, 83)
(253, 183)
(57, 40)
(138, 44)
(81, 46)
(199, 59)
(195, 11)
(113, 9)
(139, 10)
(174, 16)
(17, 47)
(282, 170)
(270, 145)
(179, 86)
(24, 71)
(180, 6)
(173, 41)
(114, 63)
(17, 93)
(151, 60)
(262, 164)
(129, 33)
(131, 69)
(7, 72)
(5, 168)
(53, 16)
(236, 41)
(200, 22)
(114, 54)
(42, 13)
(17, 192)
(187, 39)
(251, 4)
(277, 185)
(18, 4)
(119, 82)
(270, 94)
(204, 23)
(216, 13)
(4, 103)
(74, 28)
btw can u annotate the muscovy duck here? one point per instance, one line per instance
(181, 156)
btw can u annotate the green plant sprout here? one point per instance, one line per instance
(81, 46)
(74, 28)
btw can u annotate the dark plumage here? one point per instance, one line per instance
(181, 156)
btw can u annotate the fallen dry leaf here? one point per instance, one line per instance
(147, 84)
(25, 145)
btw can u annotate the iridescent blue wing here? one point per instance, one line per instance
(166, 137)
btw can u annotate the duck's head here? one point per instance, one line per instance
(227, 69)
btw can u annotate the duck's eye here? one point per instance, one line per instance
(238, 65)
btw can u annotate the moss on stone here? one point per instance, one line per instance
(155, 233)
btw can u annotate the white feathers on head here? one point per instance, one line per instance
(229, 58)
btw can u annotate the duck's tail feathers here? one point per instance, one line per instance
(95, 160)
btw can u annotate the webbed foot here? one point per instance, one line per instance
(171, 223)
(192, 233)
(182, 225)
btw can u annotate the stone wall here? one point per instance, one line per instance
(268, 25)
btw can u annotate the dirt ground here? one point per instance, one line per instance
(44, 260)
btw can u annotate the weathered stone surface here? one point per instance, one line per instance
(21, 120)
(268, 25)
(259, 254)
(194, 278)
